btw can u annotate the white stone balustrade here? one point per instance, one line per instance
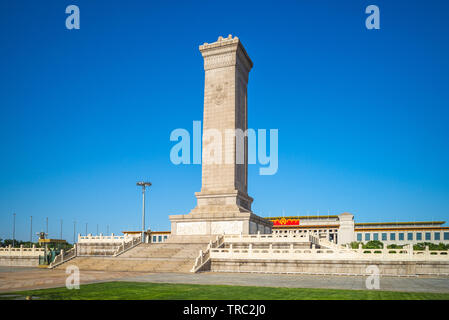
(106, 239)
(405, 254)
(21, 252)
(272, 238)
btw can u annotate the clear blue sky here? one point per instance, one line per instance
(84, 114)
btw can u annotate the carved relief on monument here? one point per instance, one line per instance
(191, 228)
(216, 201)
(218, 94)
(226, 227)
(218, 61)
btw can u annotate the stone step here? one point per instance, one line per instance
(140, 265)
(147, 257)
(165, 250)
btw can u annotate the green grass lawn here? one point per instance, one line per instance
(165, 291)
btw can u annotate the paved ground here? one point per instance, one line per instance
(14, 279)
(437, 285)
(22, 278)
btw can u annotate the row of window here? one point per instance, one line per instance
(401, 235)
(159, 238)
(305, 231)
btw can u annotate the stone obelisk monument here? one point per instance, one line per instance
(223, 205)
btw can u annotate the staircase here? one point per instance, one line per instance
(176, 255)
(324, 243)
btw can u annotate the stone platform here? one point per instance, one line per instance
(219, 223)
(332, 267)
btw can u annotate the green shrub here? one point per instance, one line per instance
(394, 246)
(373, 244)
(432, 246)
(354, 244)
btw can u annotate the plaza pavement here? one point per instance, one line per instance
(15, 279)
(436, 285)
(24, 278)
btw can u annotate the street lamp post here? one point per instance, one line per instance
(31, 230)
(74, 231)
(143, 185)
(14, 231)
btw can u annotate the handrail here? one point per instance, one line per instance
(204, 257)
(323, 242)
(21, 251)
(125, 246)
(101, 238)
(63, 257)
(72, 253)
(267, 238)
(328, 253)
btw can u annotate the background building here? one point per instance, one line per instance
(342, 229)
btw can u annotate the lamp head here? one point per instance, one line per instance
(144, 184)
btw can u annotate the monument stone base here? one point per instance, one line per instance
(220, 214)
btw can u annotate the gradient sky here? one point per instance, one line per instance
(84, 114)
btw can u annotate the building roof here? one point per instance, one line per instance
(399, 223)
(302, 217)
(402, 229)
(147, 231)
(323, 226)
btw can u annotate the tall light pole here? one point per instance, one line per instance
(143, 185)
(31, 230)
(60, 233)
(86, 229)
(14, 231)
(74, 231)
(46, 228)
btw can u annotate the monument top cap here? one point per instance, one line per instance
(226, 45)
(220, 42)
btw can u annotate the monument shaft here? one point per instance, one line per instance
(226, 66)
(223, 204)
